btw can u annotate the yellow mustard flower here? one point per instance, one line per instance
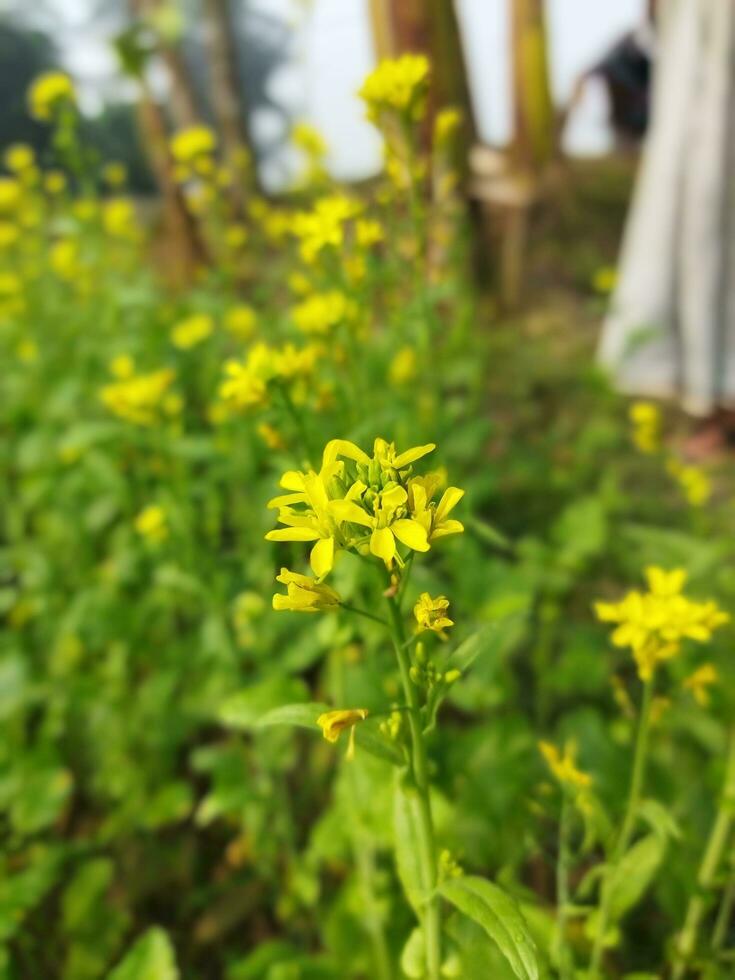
(304, 594)
(152, 524)
(271, 436)
(654, 623)
(693, 481)
(191, 143)
(605, 279)
(118, 218)
(308, 139)
(563, 766)
(431, 614)
(114, 174)
(368, 504)
(699, 682)
(11, 194)
(240, 321)
(446, 124)
(138, 398)
(397, 85)
(403, 367)
(64, 259)
(19, 157)
(324, 226)
(368, 232)
(122, 366)
(333, 723)
(54, 182)
(192, 331)
(48, 93)
(321, 312)
(645, 418)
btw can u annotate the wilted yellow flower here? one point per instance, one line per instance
(563, 766)
(431, 614)
(48, 92)
(333, 723)
(151, 524)
(304, 594)
(321, 312)
(700, 681)
(138, 398)
(19, 157)
(192, 331)
(398, 85)
(403, 366)
(654, 624)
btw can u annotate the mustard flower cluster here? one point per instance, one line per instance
(247, 384)
(48, 93)
(563, 766)
(137, 398)
(655, 623)
(397, 85)
(372, 505)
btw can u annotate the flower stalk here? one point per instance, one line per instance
(711, 860)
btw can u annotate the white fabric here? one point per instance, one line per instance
(671, 326)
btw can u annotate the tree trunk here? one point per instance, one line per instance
(227, 100)
(534, 136)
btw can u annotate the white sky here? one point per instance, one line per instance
(332, 51)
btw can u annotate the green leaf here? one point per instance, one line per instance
(659, 819)
(413, 955)
(632, 875)
(250, 708)
(152, 957)
(489, 637)
(500, 917)
(406, 828)
(297, 715)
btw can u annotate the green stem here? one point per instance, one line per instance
(724, 913)
(562, 892)
(626, 831)
(365, 613)
(420, 772)
(711, 860)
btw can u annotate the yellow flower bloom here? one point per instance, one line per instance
(19, 157)
(321, 312)
(446, 124)
(138, 398)
(192, 331)
(309, 140)
(693, 481)
(192, 143)
(333, 723)
(48, 92)
(118, 218)
(10, 195)
(365, 507)
(398, 85)
(403, 366)
(240, 321)
(54, 181)
(64, 259)
(645, 419)
(700, 681)
(324, 226)
(563, 766)
(304, 594)
(654, 624)
(122, 366)
(431, 614)
(151, 524)
(368, 232)
(114, 174)
(271, 436)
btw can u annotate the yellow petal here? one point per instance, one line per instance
(293, 534)
(447, 527)
(346, 510)
(410, 533)
(342, 447)
(286, 499)
(292, 480)
(322, 557)
(450, 498)
(394, 498)
(411, 455)
(383, 544)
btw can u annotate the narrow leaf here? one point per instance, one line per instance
(500, 917)
(634, 873)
